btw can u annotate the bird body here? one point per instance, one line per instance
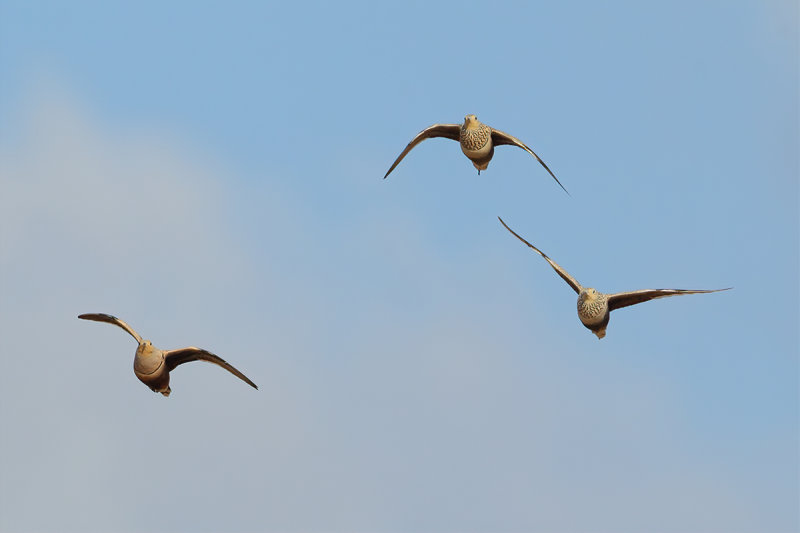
(477, 141)
(593, 311)
(149, 366)
(152, 366)
(594, 307)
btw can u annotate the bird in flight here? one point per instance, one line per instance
(594, 307)
(152, 366)
(477, 141)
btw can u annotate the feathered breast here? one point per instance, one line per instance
(475, 138)
(592, 311)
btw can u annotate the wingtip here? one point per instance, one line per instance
(503, 222)
(560, 185)
(717, 290)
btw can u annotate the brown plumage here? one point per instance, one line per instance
(152, 366)
(594, 307)
(477, 141)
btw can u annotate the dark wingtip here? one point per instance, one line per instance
(248, 381)
(391, 168)
(554, 177)
(716, 290)
(559, 184)
(93, 316)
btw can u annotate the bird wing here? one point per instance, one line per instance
(102, 317)
(451, 131)
(186, 355)
(624, 299)
(572, 282)
(499, 138)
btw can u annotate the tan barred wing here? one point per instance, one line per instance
(625, 299)
(185, 355)
(102, 317)
(499, 138)
(572, 282)
(450, 131)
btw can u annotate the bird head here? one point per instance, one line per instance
(471, 120)
(146, 347)
(590, 294)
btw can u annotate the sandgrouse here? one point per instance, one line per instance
(594, 307)
(152, 366)
(477, 141)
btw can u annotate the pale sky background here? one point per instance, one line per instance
(211, 173)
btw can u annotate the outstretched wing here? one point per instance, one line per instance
(624, 299)
(185, 355)
(499, 138)
(451, 131)
(560, 271)
(102, 317)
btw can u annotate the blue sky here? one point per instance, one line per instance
(211, 173)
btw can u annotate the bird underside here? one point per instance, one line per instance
(481, 164)
(156, 383)
(598, 329)
(480, 158)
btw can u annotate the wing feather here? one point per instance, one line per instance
(110, 319)
(572, 282)
(185, 355)
(500, 138)
(450, 131)
(625, 299)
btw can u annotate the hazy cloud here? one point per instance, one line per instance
(379, 410)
